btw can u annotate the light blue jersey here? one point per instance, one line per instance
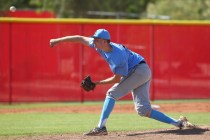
(121, 60)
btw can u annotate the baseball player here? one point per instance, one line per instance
(130, 73)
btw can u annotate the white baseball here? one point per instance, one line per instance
(12, 8)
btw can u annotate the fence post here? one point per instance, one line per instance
(152, 53)
(81, 64)
(10, 64)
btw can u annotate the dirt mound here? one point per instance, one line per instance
(201, 133)
(128, 108)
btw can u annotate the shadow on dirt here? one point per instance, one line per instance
(196, 131)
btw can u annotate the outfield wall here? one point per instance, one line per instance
(177, 52)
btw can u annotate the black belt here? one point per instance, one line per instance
(142, 62)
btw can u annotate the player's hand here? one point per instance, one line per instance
(53, 42)
(87, 84)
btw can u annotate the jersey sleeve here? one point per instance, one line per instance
(91, 43)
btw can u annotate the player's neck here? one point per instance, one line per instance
(107, 48)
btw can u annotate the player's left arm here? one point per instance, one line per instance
(114, 79)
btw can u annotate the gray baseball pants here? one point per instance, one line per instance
(138, 82)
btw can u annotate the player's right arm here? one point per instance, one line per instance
(76, 38)
(114, 79)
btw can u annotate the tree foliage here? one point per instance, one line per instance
(180, 9)
(175, 9)
(82, 8)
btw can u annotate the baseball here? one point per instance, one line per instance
(12, 8)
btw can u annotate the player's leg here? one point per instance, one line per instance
(142, 101)
(106, 111)
(157, 115)
(143, 106)
(160, 116)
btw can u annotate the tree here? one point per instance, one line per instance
(81, 8)
(180, 9)
(175, 9)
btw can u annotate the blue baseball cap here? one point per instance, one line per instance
(101, 33)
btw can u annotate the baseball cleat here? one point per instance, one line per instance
(184, 123)
(97, 132)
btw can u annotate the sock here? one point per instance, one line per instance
(163, 118)
(106, 111)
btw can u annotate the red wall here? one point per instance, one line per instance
(30, 70)
(182, 61)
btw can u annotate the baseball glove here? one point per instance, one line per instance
(87, 84)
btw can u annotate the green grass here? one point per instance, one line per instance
(60, 123)
(43, 123)
(57, 123)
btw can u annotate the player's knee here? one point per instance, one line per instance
(143, 110)
(108, 94)
(111, 94)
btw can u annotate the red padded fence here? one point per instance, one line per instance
(177, 52)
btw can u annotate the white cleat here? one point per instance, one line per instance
(184, 123)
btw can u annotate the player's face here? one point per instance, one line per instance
(99, 43)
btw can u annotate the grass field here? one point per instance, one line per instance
(42, 123)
